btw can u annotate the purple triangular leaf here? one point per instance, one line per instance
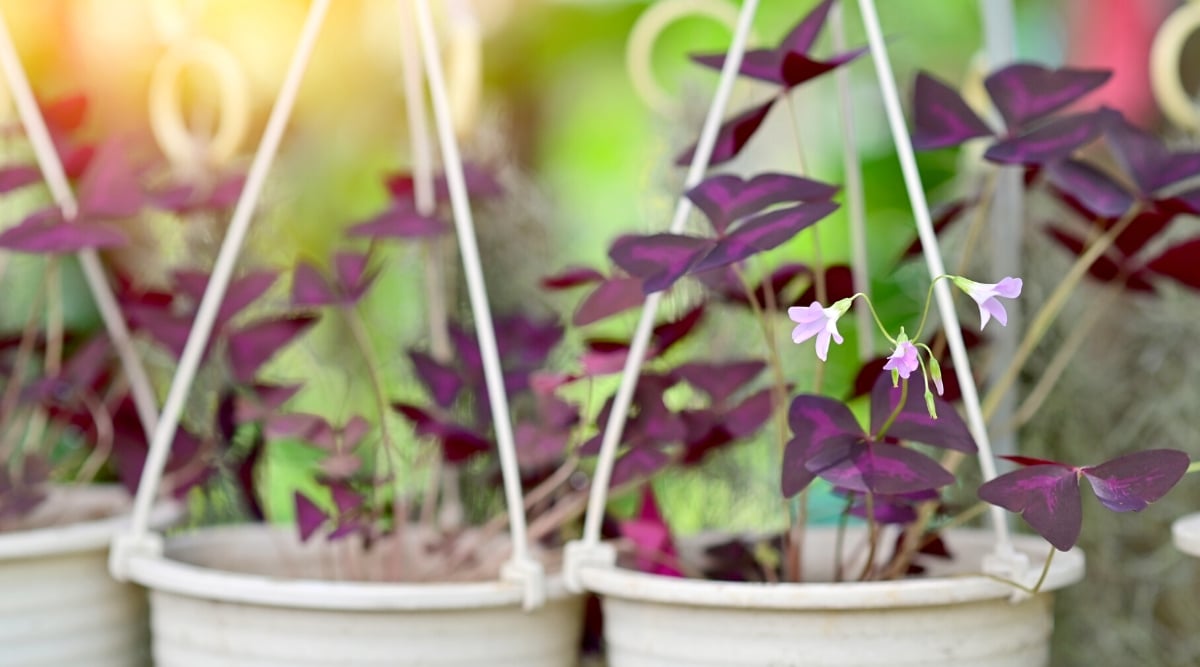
(458, 443)
(719, 380)
(868, 467)
(750, 415)
(1131, 482)
(17, 176)
(345, 498)
(1180, 262)
(732, 136)
(572, 277)
(353, 278)
(45, 232)
(1094, 190)
(815, 421)
(309, 287)
(761, 64)
(658, 259)
(798, 68)
(1105, 268)
(726, 198)
(1024, 92)
(609, 298)
(309, 517)
(400, 222)
(763, 232)
(637, 463)
(253, 345)
(479, 181)
(800, 38)
(1144, 157)
(1046, 496)
(109, 189)
(442, 382)
(1053, 141)
(913, 422)
(940, 116)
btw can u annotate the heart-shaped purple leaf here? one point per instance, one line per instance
(1131, 482)
(1025, 92)
(309, 287)
(659, 260)
(732, 136)
(869, 467)
(815, 421)
(1094, 190)
(1052, 141)
(1144, 157)
(913, 422)
(1046, 495)
(940, 116)
(726, 198)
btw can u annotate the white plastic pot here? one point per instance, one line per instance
(58, 604)
(1186, 532)
(251, 596)
(947, 618)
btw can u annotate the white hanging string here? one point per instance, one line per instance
(93, 271)
(521, 567)
(933, 258)
(222, 273)
(856, 206)
(641, 338)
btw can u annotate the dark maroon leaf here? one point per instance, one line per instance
(1181, 262)
(309, 287)
(109, 189)
(750, 415)
(612, 296)
(442, 382)
(1105, 268)
(839, 284)
(1094, 190)
(572, 277)
(659, 260)
(815, 422)
(801, 38)
(719, 380)
(726, 198)
(1046, 496)
(353, 276)
(1025, 92)
(913, 422)
(761, 64)
(242, 291)
(665, 335)
(400, 222)
(458, 443)
(732, 136)
(763, 232)
(940, 116)
(309, 517)
(1053, 141)
(17, 176)
(1144, 157)
(1131, 482)
(869, 467)
(253, 345)
(798, 68)
(45, 232)
(166, 329)
(345, 498)
(637, 463)
(479, 181)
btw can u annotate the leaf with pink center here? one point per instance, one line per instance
(659, 260)
(761, 233)
(719, 380)
(732, 136)
(1144, 157)
(1025, 92)
(1046, 495)
(1131, 482)
(1053, 141)
(612, 296)
(13, 177)
(913, 422)
(110, 189)
(870, 467)
(815, 421)
(45, 232)
(727, 198)
(940, 116)
(1094, 190)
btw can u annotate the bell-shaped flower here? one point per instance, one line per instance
(816, 320)
(985, 295)
(903, 361)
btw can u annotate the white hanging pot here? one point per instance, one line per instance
(58, 603)
(1186, 533)
(948, 617)
(254, 596)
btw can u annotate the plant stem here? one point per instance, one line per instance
(104, 439)
(873, 539)
(895, 412)
(974, 232)
(839, 540)
(54, 316)
(928, 303)
(16, 379)
(1050, 309)
(359, 332)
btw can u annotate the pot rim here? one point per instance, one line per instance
(1067, 568)
(1185, 533)
(169, 575)
(81, 536)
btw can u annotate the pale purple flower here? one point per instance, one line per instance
(815, 320)
(903, 360)
(985, 295)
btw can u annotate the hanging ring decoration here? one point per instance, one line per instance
(184, 147)
(1165, 56)
(650, 26)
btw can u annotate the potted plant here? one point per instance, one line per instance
(883, 588)
(370, 568)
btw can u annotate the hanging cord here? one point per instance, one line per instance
(522, 568)
(137, 540)
(89, 260)
(1004, 561)
(589, 551)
